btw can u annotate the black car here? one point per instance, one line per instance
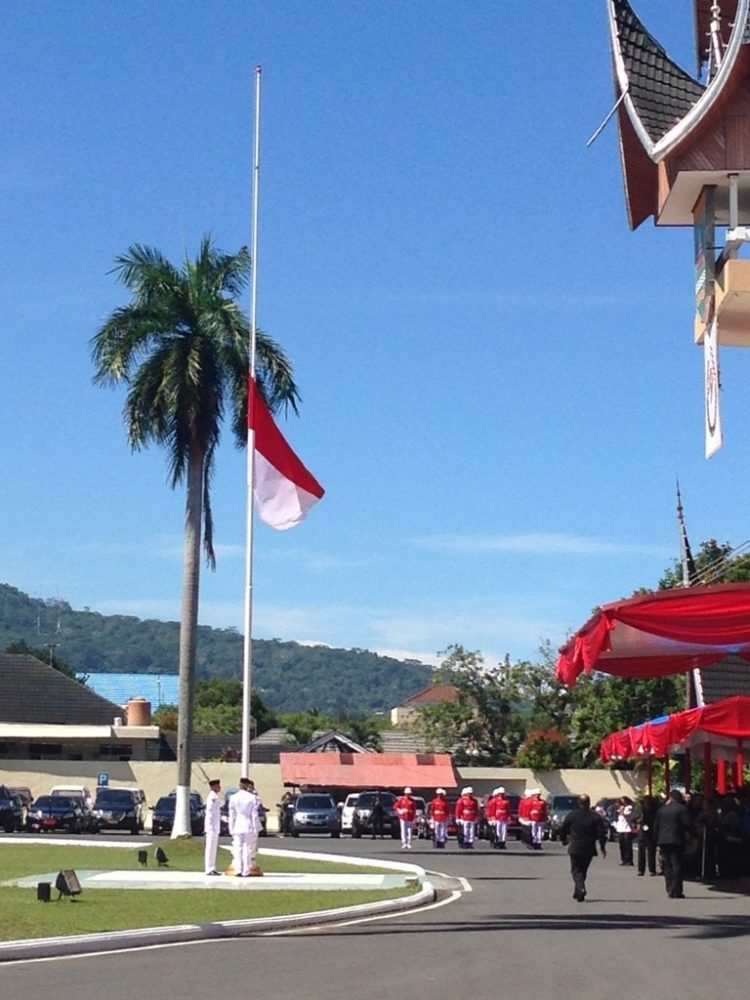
(162, 819)
(7, 810)
(361, 822)
(559, 808)
(224, 820)
(50, 813)
(118, 809)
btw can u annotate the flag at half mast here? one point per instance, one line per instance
(284, 490)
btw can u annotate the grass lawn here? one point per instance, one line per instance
(23, 916)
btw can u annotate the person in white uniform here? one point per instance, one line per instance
(212, 826)
(244, 827)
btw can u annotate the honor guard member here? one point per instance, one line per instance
(406, 810)
(244, 826)
(538, 817)
(501, 810)
(523, 816)
(439, 811)
(467, 815)
(212, 826)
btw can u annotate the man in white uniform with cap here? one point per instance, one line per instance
(212, 826)
(244, 826)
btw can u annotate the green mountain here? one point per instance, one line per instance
(289, 676)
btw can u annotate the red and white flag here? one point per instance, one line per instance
(284, 490)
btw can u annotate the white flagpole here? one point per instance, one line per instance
(247, 667)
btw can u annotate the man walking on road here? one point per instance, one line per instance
(580, 830)
(671, 826)
(244, 826)
(212, 827)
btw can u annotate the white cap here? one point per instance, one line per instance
(468, 790)
(500, 790)
(439, 791)
(407, 791)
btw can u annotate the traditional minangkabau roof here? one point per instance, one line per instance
(663, 111)
(660, 91)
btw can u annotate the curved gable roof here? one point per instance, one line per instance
(660, 92)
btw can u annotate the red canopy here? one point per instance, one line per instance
(368, 770)
(668, 632)
(721, 725)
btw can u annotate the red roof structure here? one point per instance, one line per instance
(371, 770)
(435, 694)
(668, 632)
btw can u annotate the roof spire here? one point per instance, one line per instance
(689, 572)
(715, 44)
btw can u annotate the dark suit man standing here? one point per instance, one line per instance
(673, 823)
(581, 830)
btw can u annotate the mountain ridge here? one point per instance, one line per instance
(290, 677)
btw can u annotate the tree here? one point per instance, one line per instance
(484, 725)
(181, 347)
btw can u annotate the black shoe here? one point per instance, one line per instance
(641, 873)
(214, 872)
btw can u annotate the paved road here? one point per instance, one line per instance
(517, 934)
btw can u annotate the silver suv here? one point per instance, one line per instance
(315, 813)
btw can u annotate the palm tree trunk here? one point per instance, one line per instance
(188, 640)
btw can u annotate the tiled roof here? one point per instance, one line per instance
(32, 691)
(436, 694)
(662, 93)
(726, 679)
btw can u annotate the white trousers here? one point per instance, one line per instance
(537, 831)
(501, 830)
(470, 828)
(407, 827)
(441, 832)
(212, 846)
(244, 849)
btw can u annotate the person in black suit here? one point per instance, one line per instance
(672, 825)
(580, 830)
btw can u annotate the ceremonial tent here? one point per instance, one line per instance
(667, 632)
(722, 726)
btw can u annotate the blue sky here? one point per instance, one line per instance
(499, 379)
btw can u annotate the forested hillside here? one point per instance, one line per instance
(290, 677)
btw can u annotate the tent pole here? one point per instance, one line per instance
(688, 771)
(708, 784)
(739, 766)
(650, 774)
(721, 776)
(666, 775)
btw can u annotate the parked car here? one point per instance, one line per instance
(558, 807)
(361, 818)
(23, 793)
(315, 812)
(162, 818)
(224, 822)
(50, 813)
(347, 812)
(118, 809)
(7, 810)
(81, 790)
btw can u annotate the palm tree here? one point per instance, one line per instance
(181, 347)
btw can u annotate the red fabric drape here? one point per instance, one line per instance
(668, 632)
(728, 719)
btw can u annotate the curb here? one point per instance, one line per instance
(87, 944)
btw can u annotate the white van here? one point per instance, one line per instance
(80, 791)
(347, 811)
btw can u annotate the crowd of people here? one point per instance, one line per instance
(715, 840)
